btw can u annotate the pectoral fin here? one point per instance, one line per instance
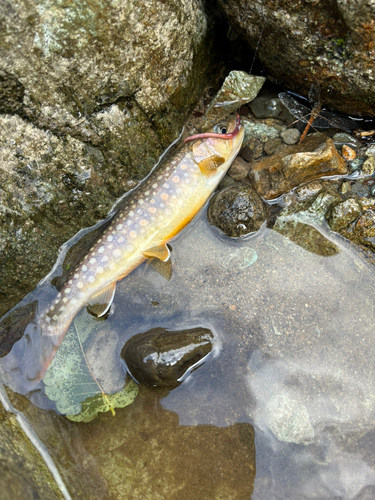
(210, 164)
(160, 252)
(101, 302)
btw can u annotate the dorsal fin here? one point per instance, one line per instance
(100, 303)
(160, 252)
(210, 164)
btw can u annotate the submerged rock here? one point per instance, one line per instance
(340, 215)
(236, 210)
(295, 165)
(239, 169)
(161, 358)
(289, 420)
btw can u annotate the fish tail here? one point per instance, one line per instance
(24, 367)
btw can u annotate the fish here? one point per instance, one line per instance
(152, 215)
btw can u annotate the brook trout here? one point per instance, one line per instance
(155, 212)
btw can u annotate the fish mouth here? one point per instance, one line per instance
(231, 135)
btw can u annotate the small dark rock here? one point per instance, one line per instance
(161, 358)
(236, 210)
(239, 169)
(246, 153)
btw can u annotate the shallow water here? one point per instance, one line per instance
(283, 408)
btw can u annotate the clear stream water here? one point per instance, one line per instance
(284, 406)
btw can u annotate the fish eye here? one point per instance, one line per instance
(220, 128)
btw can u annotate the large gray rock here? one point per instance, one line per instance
(299, 42)
(91, 94)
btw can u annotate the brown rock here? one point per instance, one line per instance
(295, 165)
(239, 169)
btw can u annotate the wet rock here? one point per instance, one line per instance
(308, 190)
(300, 43)
(23, 471)
(236, 210)
(342, 214)
(95, 101)
(371, 150)
(289, 420)
(161, 358)
(360, 189)
(258, 130)
(356, 164)
(348, 153)
(368, 167)
(365, 226)
(269, 107)
(272, 145)
(342, 138)
(238, 88)
(290, 136)
(246, 153)
(226, 181)
(295, 165)
(239, 169)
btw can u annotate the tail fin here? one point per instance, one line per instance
(24, 367)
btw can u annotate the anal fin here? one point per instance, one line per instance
(160, 252)
(100, 303)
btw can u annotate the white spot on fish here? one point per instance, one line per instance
(121, 239)
(117, 252)
(147, 193)
(84, 268)
(119, 226)
(73, 300)
(166, 186)
(104, 259)
(65, 299)
(70, 282)
(131, 213)
(155, 185)
(67, 290)
(99, 241)
(55, 317)
(76, 276)
(92, 261)
(79, 284)
(91, 279)
(143, 222)
(52, 308)
(48, 319)
(109, 238)
(129, 222)
(101, 249)
(140, 201)
(99, 269)
(161, 205)
(59, 295)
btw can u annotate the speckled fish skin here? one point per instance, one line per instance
(155, 212)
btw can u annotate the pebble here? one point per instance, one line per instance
(290, 136)
(342, 138)
(341, 215)
(247, 154)
(368, 167)
(239, 169)
(348, 153)
(264, 107)
(355, 164)
(371, 150)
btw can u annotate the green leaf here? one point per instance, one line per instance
(85, 377)
(92, 406)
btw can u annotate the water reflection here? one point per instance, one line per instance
(296, 359)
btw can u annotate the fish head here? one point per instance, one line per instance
(215, 149)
